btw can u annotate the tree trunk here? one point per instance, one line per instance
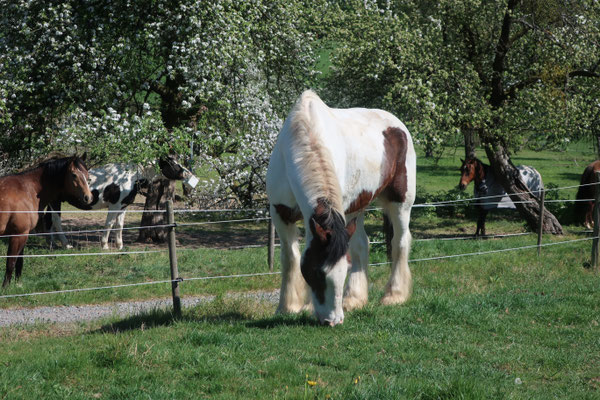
(526, 203)
(161, 190)
(469, 135)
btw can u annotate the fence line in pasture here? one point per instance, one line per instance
(223, 221)
(181, 279)
(86, 231)
(175, 279)
(107, 253)
(479, 253)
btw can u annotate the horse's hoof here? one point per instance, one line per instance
(353, 303)
(390, 299)
(293, 309)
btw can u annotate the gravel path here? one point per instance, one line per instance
(63, 314)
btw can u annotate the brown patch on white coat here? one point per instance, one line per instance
(393, 181)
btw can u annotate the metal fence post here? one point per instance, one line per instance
(541, 222)
(596, 242)
(271, 256)
(173, 261)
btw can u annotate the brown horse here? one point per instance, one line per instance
(25, 195)
(584, 209)
(489, 188)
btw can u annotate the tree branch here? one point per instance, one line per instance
(470, 43)
(586, 73)
(512, 90)
(502, 47)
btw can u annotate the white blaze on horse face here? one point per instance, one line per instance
(331, 312)
(77, 183)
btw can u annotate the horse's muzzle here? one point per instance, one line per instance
(462, 186)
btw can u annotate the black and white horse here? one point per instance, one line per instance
(327, 166)
(114, 186)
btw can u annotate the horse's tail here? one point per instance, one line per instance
(313, 158)
(584, 192)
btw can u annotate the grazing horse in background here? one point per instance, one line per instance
(486, 185)
(326, 167)
(114, 186)
(584, 209)
(24, 196)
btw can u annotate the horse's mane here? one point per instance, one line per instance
(477, 160)
(314, 160)
(54, 167)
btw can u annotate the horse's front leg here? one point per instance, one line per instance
(293, 296)
(399, 287)
(357, 289)
(481, 222)
(111, 217)
(120, 223)
(15, 248)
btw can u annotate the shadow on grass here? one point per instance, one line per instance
(145, 320)
(304, 319)
(160, 318)
(571, 175)
(217, 312)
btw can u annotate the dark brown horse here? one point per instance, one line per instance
(25, 195)
(584, 209)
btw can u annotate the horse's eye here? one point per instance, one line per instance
(74, 175)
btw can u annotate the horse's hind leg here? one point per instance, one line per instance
(399, 287)
(19, 265)
(15, 248)
(356, 293)
(589, 221)
(293, 296)
(57, 227)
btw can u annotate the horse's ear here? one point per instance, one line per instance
(321, 232)
(462, 161)
(84, 156)
(351, 227)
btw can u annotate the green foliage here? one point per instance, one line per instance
(132, 81)
(436, 66)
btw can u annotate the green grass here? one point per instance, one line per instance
(474, 328)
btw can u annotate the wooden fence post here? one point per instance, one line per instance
(596, 242)
(541, 222)
(271, 255)
(173, 261)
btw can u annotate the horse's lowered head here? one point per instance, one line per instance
(324, 263)
(471, 169)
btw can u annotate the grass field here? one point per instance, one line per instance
(502, 325)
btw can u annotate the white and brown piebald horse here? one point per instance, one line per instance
(114, 186)
(327, 166)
